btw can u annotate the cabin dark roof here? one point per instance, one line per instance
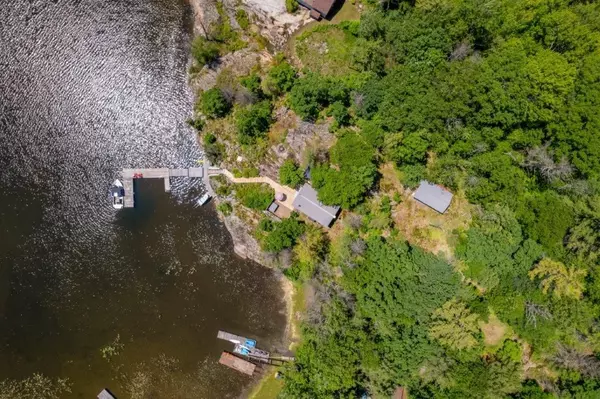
(319, 8)
(433, 196)
(323, 6)
(306, 202)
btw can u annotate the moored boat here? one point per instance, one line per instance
(117, 192)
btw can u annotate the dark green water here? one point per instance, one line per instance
(87, 88)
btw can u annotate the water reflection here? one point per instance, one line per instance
(87, 88)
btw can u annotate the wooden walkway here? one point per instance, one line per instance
(154, 173)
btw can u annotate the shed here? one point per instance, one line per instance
(433, 196)
(307, 203)
(106, 394)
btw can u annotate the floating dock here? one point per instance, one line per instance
(105, 394)
(154, 173)
(234, 362)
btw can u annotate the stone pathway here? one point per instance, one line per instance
(290, 193)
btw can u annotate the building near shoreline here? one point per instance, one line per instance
(433, 196)
(306, 202)
(318, 8)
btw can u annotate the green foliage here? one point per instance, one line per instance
(562, 280)
(347, 185)
(312, 93)
(252, 82)
(280, 78)
(283, 234)
(225, 208)
(291, 174)
(213, 103)
(204, 51)
(255, 196)
(241, 16)
(454, 326)
(291, 6)
(310, 249)
(253, 121)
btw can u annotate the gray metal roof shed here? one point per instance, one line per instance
(306, 202)
(433, 196)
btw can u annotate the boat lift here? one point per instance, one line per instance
(246, 347)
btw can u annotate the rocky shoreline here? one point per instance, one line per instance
(277, 26)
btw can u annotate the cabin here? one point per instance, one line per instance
(434, 196)
(318, 8)
(306, 202)
(106, 394)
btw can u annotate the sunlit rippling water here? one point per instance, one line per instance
(88, 87)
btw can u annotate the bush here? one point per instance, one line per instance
(290, 174)
(253, 122)
(280, 78)
(253, 84)
(241, 16)
(255, 196)
(291, 6)
(209, 139)
(213, 103)
(197, 124)
(312, 93)
(283, 234)
(204, 51)
(225, 208)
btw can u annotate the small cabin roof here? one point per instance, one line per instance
(307, 202)
(434, 196)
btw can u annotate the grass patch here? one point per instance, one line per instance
(268, 387)
(326, 49)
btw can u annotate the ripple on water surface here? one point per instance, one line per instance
(88, 87)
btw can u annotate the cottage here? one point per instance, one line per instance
(306, 202)
(318, 8)
(433, 196)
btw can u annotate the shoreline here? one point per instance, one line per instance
(278, 29)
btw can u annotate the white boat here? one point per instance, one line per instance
(117, 192)
(203, 200)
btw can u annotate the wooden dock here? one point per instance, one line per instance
(234, 362)
(154, 173)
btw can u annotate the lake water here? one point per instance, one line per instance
(88, 87)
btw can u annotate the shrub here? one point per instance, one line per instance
(204, 51)
(290, 174)
(253, 122)
(280, 78)
(291, 6)
(225, 208)
(197, 124)
(283, 235)
(209, 139)
(253, 84)
(213, 103)
(254, 196)
(241, 16)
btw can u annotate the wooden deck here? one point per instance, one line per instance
(234, 362)
(154, 173)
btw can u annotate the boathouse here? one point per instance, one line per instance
(433, 196)
(318, 8)
(306, 202)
